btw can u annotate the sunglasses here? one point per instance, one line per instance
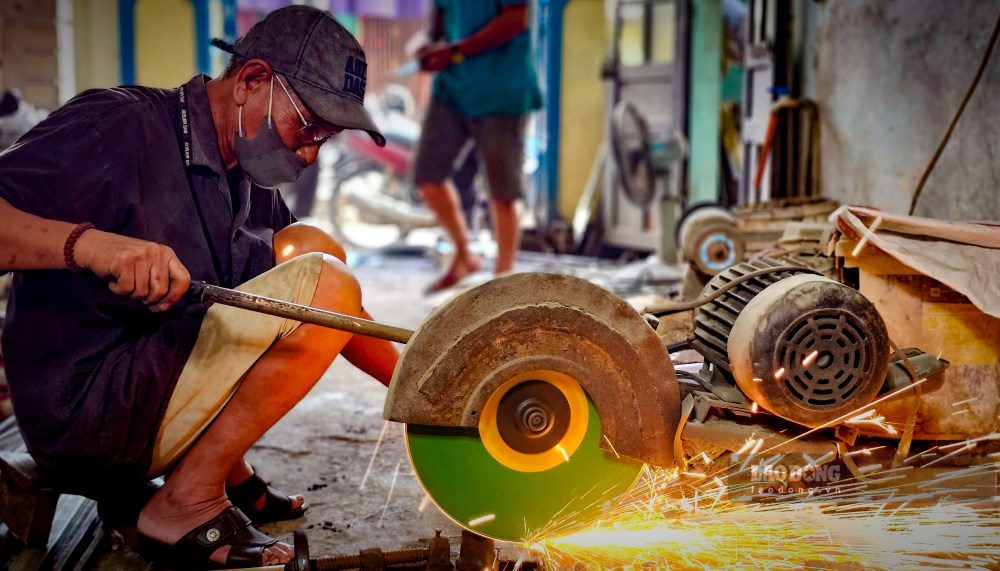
(312, 134)
(309, 133)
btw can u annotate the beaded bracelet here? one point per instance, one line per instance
(71, 245)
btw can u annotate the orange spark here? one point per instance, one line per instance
(810, 359)
(562, 451)
(868, 233)
(482, 519)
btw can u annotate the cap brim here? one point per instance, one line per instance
(337, 109)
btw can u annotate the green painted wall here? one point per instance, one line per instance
(706, 98)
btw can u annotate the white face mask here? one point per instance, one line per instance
(266, 158)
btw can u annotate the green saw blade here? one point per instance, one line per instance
(481, 494)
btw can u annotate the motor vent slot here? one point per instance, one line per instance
(826, 357)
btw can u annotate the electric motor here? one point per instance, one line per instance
(710, 240)
(802, 346)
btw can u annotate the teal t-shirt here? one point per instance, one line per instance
(501, 81)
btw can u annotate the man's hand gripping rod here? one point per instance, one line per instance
(201, 291)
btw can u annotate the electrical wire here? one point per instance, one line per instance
(669, 308)
(954, 120)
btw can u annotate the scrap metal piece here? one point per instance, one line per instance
(521, 323)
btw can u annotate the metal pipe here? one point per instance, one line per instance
(201, 291)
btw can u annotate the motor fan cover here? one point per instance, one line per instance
(809, 349)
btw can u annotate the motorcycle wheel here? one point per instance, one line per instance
(371, 209)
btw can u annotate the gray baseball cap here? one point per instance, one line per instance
(322, 61)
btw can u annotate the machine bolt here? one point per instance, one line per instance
(370, 559)
(533, 417)
(437, 555)
(476, 553)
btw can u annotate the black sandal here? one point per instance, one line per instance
(231, 527)
(277, 504)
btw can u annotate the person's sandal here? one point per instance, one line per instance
(277, 504)
(231, 527)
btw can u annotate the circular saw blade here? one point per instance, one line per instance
(486, 496)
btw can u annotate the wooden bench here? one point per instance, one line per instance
(27, 502)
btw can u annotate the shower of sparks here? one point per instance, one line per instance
(870, 418)
(810, 359)
(388, 498)
(747, 446)
(870, 468)
(610, 445)
(863, 451)
(754, 408)
(368, 471)
(717, 520)
(864, 239)
(287, 250)
(426, 501)
(779, 373)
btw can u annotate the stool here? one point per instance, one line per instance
(27, 503)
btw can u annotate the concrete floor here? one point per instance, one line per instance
(323, 447)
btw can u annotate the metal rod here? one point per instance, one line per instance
(204, 292)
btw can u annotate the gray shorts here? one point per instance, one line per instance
(448, 135)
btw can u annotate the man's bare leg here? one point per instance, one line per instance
(195, 491)
(375, 357)
(507, 233)
(444, 203)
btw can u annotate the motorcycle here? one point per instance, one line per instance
(373, 203)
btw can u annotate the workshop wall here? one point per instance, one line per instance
(582, 107)
(95, 35)
(28, 50)
(888, 76)
(164, 51)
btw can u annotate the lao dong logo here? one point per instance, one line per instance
(791, 478)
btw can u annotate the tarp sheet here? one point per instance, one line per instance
(965, 256)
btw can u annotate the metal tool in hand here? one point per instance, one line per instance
(204, 292)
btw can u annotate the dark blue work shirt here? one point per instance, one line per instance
(91, 372)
